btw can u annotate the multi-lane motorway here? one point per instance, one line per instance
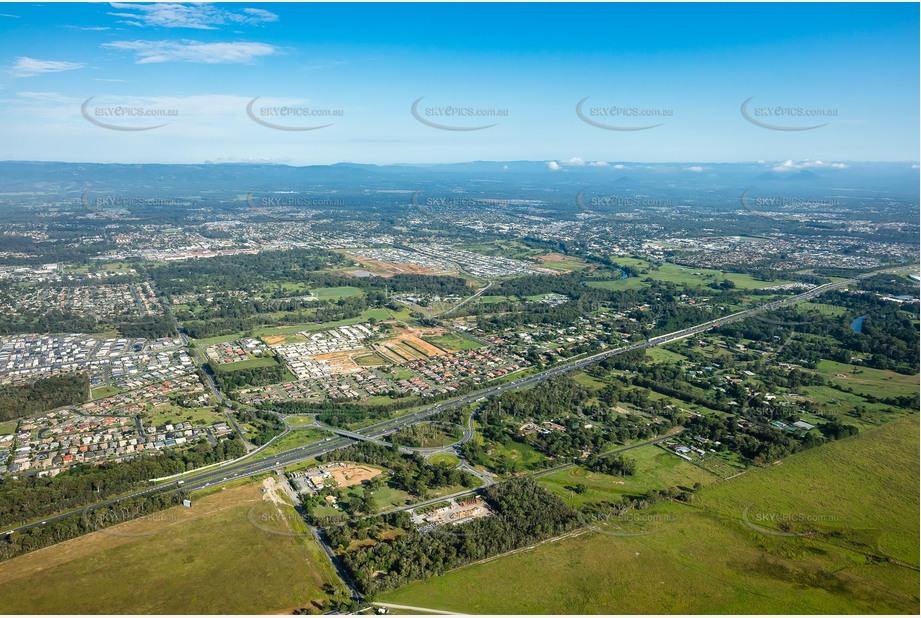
(257, 464)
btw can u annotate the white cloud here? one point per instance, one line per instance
(48, 97)
(580, 162)
(255, 16)
(195, 16)
(149, 52)
(27, 67)
(554, 166)
(695, 168)
(619, 166)
(790, 165)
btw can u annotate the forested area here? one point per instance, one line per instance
(762, 444)
(230, 379)
(254, 292)
(888, 338)
(19, 400)
(336, 414)
(243, 271)
(615, 465)
(589, 423)
(266, 424)
(525, 513)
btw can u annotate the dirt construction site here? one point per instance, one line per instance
(407, 345)
(388, 269)
(348, 474)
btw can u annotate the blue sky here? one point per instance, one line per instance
(688, 68)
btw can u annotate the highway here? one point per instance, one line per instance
(246, 467)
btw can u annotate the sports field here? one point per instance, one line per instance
(855, 500)
(206, 559)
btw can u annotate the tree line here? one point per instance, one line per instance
(20, 400)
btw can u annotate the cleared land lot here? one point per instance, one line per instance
(183, 565)
(705, 559)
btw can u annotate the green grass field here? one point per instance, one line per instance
(445, 459)
(8, 427)
(452, 342)
(655, 469)
(299, 420)
(294, 439)
(345, 291)
(378, 314)
(561, 262)
(369, 360)
(525, 456)
(867, 381)
(204, 560)
(659, 354)
(824, 309)
(586, 380)
(104, 391)
(859, 495)
(264, 361)
(673, 273)
(175, 414)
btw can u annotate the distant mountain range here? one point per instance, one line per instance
(518, 179)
